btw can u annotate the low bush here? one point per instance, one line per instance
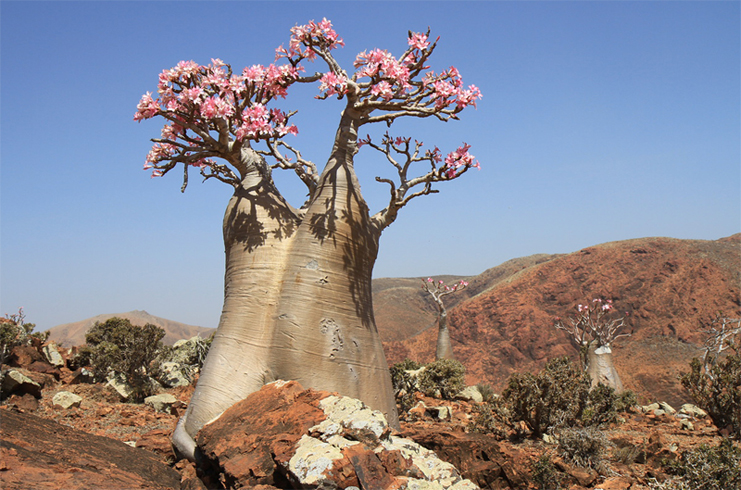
(716, 389)
(554, 398)
(584, 446)
(545, 475)
(444, 377)
(487, 392)
(560, 397)
(118, 347)
(708, 468)
(404, 384)
(15, 331)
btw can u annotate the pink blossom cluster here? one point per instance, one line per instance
(457, 159)
(597, 304)
(333, 84)
(389, 76)
(433, 286)
(447, 89)
(202, 95)
(307, 39)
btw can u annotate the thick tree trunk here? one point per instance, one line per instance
(325, 334)
(601, 368)
(297, 298)
(444, 348)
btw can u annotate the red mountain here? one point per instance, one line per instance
(668, 287)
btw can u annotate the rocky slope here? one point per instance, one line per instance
(667, 287)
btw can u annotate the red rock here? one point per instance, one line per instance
(616, 483)
(370, 471)
(45, 368)
(158, 442)
(265, 425)
(478, 457)
(26, 402)
(42, 454)
(23, 356)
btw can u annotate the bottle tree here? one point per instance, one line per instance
(438, 290)
(297, 293)
(593, 334)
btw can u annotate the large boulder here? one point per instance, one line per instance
(52, 355)
(15, 382)
(42, 454)
(289, 437)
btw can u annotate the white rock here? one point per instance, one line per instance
(416, 484)
(173, 375)
(161, 403)
(17, 381)
(345, 412)
(471, 393)
(65, 400)
(667, 408)
(650, 408)
(51, 353)
(465, 485)
(693, 411)
(312, 458)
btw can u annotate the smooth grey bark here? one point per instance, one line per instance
(444, 349)
(297, 295)
(601, 368)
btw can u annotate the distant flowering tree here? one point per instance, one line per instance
(297, 302)
(593, 333)
(438, 290)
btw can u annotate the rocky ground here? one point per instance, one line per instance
(43, 445)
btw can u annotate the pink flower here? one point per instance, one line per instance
(418, 41)
(215, 106)
(147, 107)
(459, 158)
(382, 89)
(333, 84)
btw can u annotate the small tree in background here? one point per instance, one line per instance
(117, 347)
(593, 334)
(14, 331)
(438, 290)
(714, 382)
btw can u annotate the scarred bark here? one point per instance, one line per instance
(298, 301)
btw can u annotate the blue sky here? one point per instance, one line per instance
(600, 121)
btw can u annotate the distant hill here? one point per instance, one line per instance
(71, 334)
(502, 323)
(668, 287)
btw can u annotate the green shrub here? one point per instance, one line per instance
(118, 347)
(559, 397)
(489, 419)
(14, 331)
(444, 377)
(604, 405)
(554, 398)
(404, 384)
(709, 468)
(487, 392)
(584, 447)
(544, 474)
(717, 390)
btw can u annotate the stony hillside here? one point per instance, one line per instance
(403, 310)
(71, 334)
(667, 286)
